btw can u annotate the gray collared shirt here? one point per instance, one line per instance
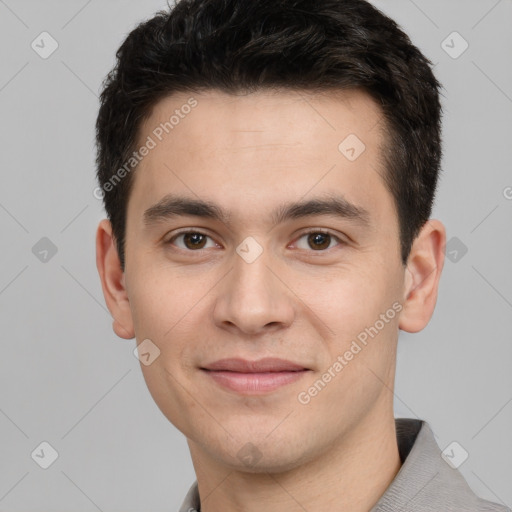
(424, 483)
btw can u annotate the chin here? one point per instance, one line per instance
(260, 453)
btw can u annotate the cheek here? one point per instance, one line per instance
(349, 300)
(167, 309)
(360, 312)
(159, 299)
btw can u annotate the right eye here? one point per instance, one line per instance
(190, 240)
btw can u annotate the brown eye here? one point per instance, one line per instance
(190, 240)
(194, 240)
(318, 241)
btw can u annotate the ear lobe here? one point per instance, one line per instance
(422, 275)
(113, 281)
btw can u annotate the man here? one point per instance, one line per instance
(268, 170)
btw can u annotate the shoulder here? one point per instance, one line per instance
(426, 482)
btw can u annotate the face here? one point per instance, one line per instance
(295, 256)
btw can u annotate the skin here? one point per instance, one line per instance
(249, 154)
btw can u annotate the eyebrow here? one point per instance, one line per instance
(171, 206)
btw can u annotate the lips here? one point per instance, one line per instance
(269, 364)
(254, 377)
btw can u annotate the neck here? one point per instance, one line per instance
(351, 476)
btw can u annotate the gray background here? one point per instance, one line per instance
(66, 379)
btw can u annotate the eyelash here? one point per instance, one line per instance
(312, 231)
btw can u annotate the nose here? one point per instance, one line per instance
(253, 297)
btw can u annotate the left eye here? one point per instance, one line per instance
(319, 240)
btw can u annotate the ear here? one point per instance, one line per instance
(423, 271)
(112, 281)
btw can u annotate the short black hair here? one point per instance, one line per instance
(242, 46)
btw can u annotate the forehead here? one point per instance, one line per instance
(252, 149)
(217, 118)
